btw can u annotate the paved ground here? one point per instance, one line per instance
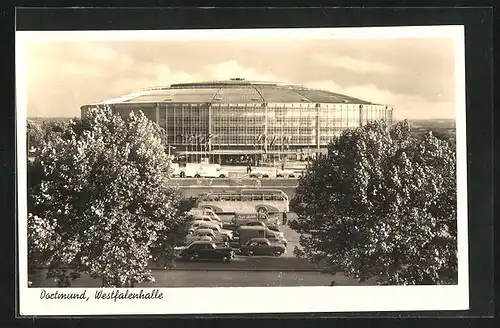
(166, 278)
(255, 271)
(233, 182)
(250, 263)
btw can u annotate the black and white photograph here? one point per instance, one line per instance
(253, 170)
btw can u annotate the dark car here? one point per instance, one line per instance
(262, 246)
(206, 250)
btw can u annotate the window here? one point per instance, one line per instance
(246, 198)
(257, 197)
(196, 246)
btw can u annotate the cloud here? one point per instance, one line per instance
(417, 79)
(231, 69)
(73, 70)
(405, 105)
(353, 64)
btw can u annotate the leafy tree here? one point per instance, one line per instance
(40, 133)
(34, 135)
(99, 202)
(381, 205)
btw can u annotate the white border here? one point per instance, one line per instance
(284, 299)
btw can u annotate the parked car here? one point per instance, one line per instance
(275, 228)
(206, 250)
(226, 234)
(203, 235)
(246, 233)
(198, 212)
(259, 173)
(262, 246)
(280, 235)
(287, 174)
(207, 218)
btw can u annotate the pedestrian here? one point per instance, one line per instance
(282, 166)
(284, 218)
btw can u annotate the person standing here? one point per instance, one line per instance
(284, 218)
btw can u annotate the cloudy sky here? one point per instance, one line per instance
(416, 76)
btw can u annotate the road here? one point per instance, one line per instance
(167, 278)
(208, 182)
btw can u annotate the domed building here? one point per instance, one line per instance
(237, 120)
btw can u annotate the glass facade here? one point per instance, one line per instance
(186, 124)
(273, 127)
(291, 124)
(238, 124)
(149, 110)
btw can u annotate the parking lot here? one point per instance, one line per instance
(285, 270)
(291, 236)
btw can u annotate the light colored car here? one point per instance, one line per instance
(259, 173)
(202, 224)
(206, 218)
(280, 236)
(207, 225)
(201, 235)
(198, 212)
(287, 174)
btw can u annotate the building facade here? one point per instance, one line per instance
(238, 119)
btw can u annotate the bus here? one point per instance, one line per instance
(246, 201)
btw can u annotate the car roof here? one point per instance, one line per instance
(203, 222)
(203, 216)
(201, 242)
(204, 230)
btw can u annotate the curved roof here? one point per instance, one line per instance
(235, 91)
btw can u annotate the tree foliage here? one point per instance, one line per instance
(382, 205)
(98, 199)
(40, 133)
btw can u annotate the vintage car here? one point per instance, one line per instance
(259, 173)
(206, 250)
(279, 234)
(206, 218)
(201, 212)
(262, 246)
(225, 233)
(203, 235)
(287, 174)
